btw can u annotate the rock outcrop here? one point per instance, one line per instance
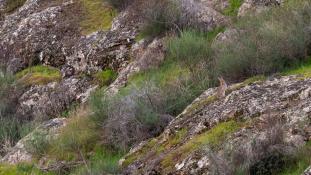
(254, 120)
(22, 151)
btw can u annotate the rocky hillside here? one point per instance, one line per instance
(254, 125)
(94, 87)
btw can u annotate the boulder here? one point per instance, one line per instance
(262, 118)
(256, 6)
(47, 101)
(21, 153)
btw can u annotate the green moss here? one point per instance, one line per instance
(233, 8)
(39, 75)
(104, 78)
(137, 155)
(200, 104)
(212, 138)
(246, 82)
(98, 16)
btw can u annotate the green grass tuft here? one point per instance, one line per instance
(233, 8)
(104, 78)
(101, 162)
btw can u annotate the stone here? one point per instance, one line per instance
(19, 152)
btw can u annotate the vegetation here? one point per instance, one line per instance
(104, 78)
(98, 15)
(21, 169)
(101, 162)
(233, 8)
(12, 5)
(265, 45)
(297, 163)
(211, 138)
(76, 139)
(38, 75)
(11, 127)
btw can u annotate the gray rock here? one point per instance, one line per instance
(19, 152)
(47, 101)
(278, 116)
(256, 6)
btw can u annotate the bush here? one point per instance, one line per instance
(140, 111)
(267, 43)
(190, 49)
(160, 16)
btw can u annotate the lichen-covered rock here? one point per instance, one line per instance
(255, 6)
(308, 171)
(20, 152)
(146, 55)
(46, 101)
(254, 120)
(201, 15)
(38, 30)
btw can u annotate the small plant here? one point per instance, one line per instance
(38, 75)
(106, 77)
(233, 8)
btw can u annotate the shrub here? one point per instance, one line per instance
(189, 49)
(38, 75)
(267, 43)
(160, 16)
(104, 78)
(140, 111)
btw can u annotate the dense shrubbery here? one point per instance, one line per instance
(266, 43)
